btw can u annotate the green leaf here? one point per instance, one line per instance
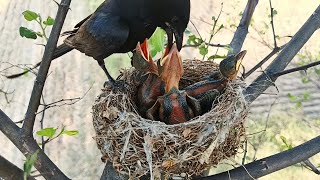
(305, 80)
(317, 71)
(28, 164)
(187, 32)
(203, 50)
(220, 27)
(299, 105)
(213, 57)
(306, 96)
(292, 97)
(39, 34)
(275, 12)
(30, 15)
(25, 72)
(49, 21)
(284, 139)
(47, 132)
(71, 133)
(156, 42)
(229, 48)
(191, 39)
(27, 33)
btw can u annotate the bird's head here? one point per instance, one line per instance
(179, 21)
(142, 60)
(230, 66)
(171, 69)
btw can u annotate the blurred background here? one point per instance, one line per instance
(287, 115)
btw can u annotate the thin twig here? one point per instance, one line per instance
(258, 86)
(245, 152)
(63, 101)
(208, 44)
(264, 60)
(34, 102)
(301, 68)
(242, 30)
(43, 144)
(272, 163)
(28, 146)
(272, 25)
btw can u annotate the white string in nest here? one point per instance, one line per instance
(137, 146)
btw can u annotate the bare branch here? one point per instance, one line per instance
(276, 75)
(63, 102)
(284, 58)
(44, 68)
(272, 25)
(242, 30)
(264, 60)
(308, 164)
(28, 146)
(272, 163)
(208, 44)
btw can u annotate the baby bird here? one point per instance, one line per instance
(207, 91)
(174, 106)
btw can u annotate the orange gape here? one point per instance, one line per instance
(153, 86)
(175, 106)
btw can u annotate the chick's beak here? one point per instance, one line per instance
(239, 59)
(171, 68)
(144, 61)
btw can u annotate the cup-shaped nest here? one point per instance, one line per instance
(137, 146)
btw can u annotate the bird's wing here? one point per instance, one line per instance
(81, 22)
(109, 28)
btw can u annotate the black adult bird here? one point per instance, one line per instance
(118, 25)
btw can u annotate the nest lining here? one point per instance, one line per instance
(137, 146)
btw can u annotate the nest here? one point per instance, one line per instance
(137, 146)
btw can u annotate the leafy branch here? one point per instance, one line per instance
(33, 16)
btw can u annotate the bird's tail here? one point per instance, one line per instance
(60, 50)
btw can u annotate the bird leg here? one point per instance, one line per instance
(103, 67)
(116, 84)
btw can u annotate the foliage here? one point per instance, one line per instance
(156, 42)
(43, 24)
(202, 45)
(28, 164)
(51, 133)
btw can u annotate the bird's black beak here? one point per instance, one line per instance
(178, 35)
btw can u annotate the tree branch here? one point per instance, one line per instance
(264, 60)
(44, 68)
(272, 163)
(242, 30)
(285, 56)
(272, 25)
(29, 146)
(10, 171)
(276, 75)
